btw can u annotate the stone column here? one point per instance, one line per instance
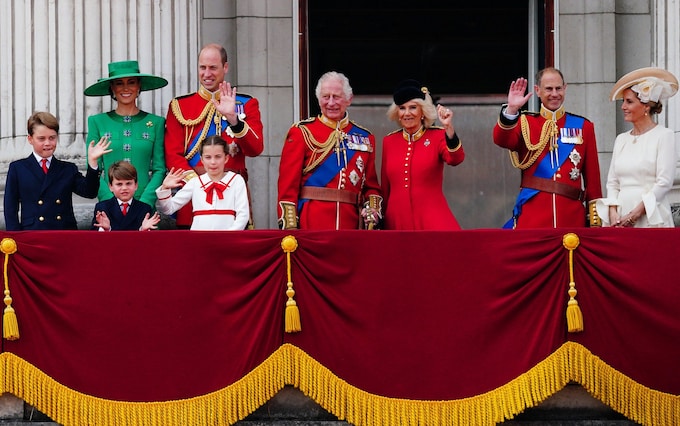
(51, 51)
(666, 54)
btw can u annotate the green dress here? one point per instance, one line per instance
(137, 139)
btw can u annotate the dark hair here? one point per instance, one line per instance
(122, 170)
(213, 141)
(219, 48)
(539, 75)
(40, 118)
(655, 107)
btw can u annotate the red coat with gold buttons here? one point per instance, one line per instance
(412, 174)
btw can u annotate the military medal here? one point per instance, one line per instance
(575, 158)
(354, 177)
(360, 164)
(571, 136)
(574, 173)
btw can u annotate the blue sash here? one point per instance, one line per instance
(324, 173)
(212, 129)
(545, 169)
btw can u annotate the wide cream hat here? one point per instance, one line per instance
(650, 84)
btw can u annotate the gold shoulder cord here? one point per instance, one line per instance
(548, 131)
(319, 149)
(206, 115)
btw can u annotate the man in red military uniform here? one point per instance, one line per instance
(327, 176)
(215, 109)
(556, 152)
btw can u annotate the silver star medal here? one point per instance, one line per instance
(575, 159)
(360, 164)
(427, 142)
(354, 177)
(233, 149)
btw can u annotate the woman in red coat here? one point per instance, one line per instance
(413, 159)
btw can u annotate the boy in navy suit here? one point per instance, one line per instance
(41, 186)
(122, 212)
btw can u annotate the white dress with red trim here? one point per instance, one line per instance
(217, 206)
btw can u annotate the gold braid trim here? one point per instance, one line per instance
(548, 132)
(177, 112)
(206, 115)
(290, 365)
(319, 149)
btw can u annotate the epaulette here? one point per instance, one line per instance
(395, 131)
(437, 127)
(361, 127)
(303, 122)
(185, 96)
(531, 113)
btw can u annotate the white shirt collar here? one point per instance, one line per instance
(39, 159)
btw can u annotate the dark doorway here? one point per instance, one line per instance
(454, 48)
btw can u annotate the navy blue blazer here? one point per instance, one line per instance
(46, 200)
(132, 221)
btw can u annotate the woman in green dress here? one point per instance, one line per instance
(136, 136)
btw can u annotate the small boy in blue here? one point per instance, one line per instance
(123, 212)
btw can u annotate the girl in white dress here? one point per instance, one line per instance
(642, 168)
(219, 198)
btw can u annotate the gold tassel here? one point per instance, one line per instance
(292, 321)
(574, 315)
(10, 325)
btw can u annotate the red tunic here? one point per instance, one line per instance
(182, 127)
(353, 170)
(545, 209)
(412, 175)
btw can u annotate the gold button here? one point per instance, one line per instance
(58, 217)
(558, 175)
(58, 201)
(40, 202)
(42, 219)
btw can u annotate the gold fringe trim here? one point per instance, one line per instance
(292, 320)
(572, 362)
(10, 324)
(574, 315)
(71, 408)
(289, 365)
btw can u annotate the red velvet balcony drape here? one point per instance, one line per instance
(161, 316)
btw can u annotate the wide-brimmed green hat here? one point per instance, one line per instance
(125, 69)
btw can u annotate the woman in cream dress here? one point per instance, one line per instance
(643, 162)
